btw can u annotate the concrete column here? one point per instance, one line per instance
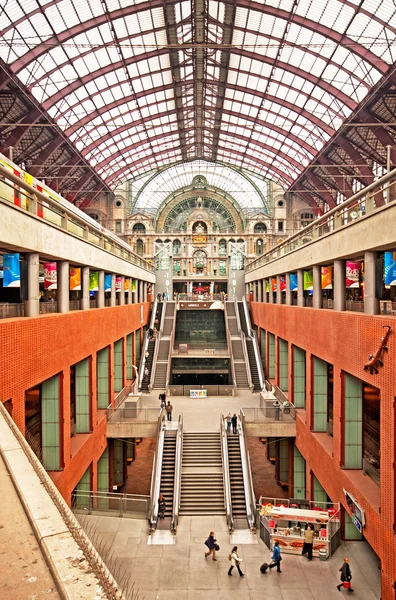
(145, 292)
(278, 292)
(113, 291)
(130, 292)
(265, 299)
(371, 303)
(84, 305)
(300, 288)
(32, 304)
(317, 287)
(63, 286)
(100, 293)
(270, 293)
(289, 295)
(140, 291)
(122, 292)
(259, 291)
(339, 285)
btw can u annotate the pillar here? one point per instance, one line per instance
(265, 299)
(145, 292)
(32, 303)
(339, 285)
(113, 291)
(130, 292)
(247, 291)
(289, 295)
(317, 287)
(300, 288)
(371, 303)
(278, 292)
(270, 293)
(63, 286)
(122, 292)
(84, 288)
(260, 290)
(100, 293)
(140, 297)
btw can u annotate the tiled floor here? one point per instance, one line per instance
(164, 571)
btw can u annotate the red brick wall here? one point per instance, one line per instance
(35, 349)
(345, 339)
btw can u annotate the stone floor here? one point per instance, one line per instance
(165, 567)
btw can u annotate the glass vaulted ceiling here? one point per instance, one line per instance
(137, 85)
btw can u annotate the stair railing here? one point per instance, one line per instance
(156, 473)
(246, 359)
(171, 344)
(247, 474)
(177, 479)
(226, 474)
(253, 337)
(228, 335)
(238, 318)
(142, 365)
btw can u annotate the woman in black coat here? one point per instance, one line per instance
(346, 575)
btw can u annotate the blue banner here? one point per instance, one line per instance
(390, 268)
(107, 282)
(12, 271)
(293, 282)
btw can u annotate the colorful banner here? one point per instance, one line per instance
(267, 285)
(352, 274)
(118, 284)
(283, 284)
(134, 282)
(126, 285)
(50, 276)
(75, 279)
(107, 282)
(327, 278)
(293, 282)
(11, 271)
(308, 280)
(94, 281)
(211, 289)
(390, 268)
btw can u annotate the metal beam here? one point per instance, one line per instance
(199, 10)
(21, 128)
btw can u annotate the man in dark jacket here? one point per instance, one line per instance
(346, 575)
(211, 545)
(234, 421)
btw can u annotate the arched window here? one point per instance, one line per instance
(222, 248)
(199, 261)
(176, 247)
(140, 247)
(240, 241)
(139, 228)
(306, 218)
(259, 247)
(260, 228)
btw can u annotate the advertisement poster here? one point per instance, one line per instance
(118, 281)
(11, 271)
(283, 284)
(273, 286)
(308, 280)
(327, 278)
(107, 282)
(267, 285)
(352, 274)
(94, 281)
(293, 282)
(75, 279)
(50, 276)
(126, 285)
(390, 268)
(134, 285)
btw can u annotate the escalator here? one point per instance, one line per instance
(161, 359)
(148, 363)
(255, 364)
(238, 502)
(168, 476)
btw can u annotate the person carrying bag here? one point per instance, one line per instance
(235, 561)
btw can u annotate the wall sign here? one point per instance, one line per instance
(357, 516)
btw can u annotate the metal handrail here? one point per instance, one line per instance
(171, 343)
(226, 475)
(146, 343)
(246, 357)
(327, 217)
(156, 474)
(247, 474)
(228, 335)
(238, 318)
(178, 471)
(253, 337)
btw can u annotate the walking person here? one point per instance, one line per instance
(235, 561)
(162, 399)
(212, 546)
(346, 576)
(308, 542)
(169, 409)
(161, 507)
(276, 558)
(234, 421)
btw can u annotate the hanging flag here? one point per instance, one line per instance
(352, 274)
(50, 276)
(126, 284)
(273, 286)
(94, 281)
(390, 268)
(118, 284)
(283, 284)
(293, 282)
(308, 280)
(75, 279)
(267, 288)
(327, 278)
(11, 271)
(134, 282)
(107, 282)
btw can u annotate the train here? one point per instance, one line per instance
(15, 195)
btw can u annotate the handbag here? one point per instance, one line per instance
(346, 584)
(217, 547)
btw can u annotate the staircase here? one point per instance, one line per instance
(168, 475)
(161, 365)
(236, 481)
(241, 377)
(148, 364)
(253, 365)
(202, 490)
